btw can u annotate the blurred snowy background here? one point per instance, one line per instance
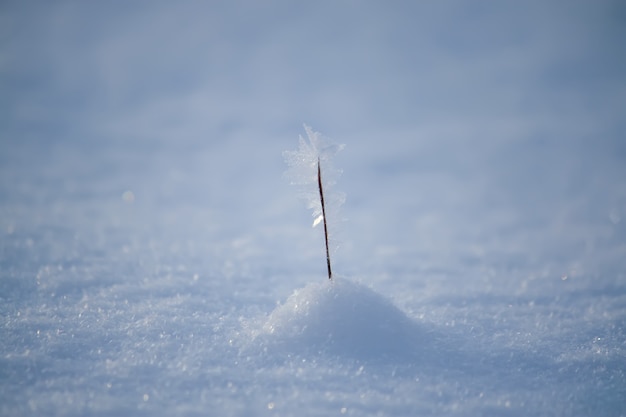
(147, 233)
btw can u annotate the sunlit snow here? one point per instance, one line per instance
(154, 260)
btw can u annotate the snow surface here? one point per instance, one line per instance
(154, 261)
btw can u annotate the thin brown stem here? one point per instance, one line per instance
(319, 183)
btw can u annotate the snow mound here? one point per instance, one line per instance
(343, 318)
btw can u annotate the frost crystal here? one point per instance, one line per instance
(302, 172)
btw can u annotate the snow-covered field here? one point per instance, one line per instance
(154, 260)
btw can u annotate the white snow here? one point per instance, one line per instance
(341, 318)
(154, 261)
